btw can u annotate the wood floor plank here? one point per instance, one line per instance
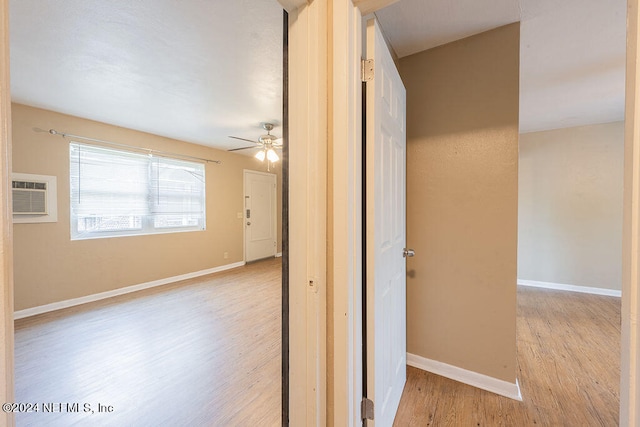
(187, 354)
(202, 352)
(568, 370)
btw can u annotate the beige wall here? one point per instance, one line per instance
(49, 267)
(462, 199)
(570, 206)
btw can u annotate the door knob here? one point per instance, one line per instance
(408, 253)
(248, 223)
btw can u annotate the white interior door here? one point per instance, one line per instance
(386, 233)
(259, 215)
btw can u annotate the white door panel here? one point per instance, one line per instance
(386, 268)
(260, 215)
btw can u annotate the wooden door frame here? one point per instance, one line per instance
(325, 210)
(325, 48)
(345, 273)
(6, 226)
(630, 337)
(307, 212)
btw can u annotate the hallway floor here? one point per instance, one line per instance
(568, 348)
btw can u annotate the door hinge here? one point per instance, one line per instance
(366, 409)
(367, 70)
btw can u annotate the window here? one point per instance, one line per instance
(117, 193)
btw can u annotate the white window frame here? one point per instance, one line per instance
(147, 226)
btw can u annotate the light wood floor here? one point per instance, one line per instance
(202, 352)
(568, 371)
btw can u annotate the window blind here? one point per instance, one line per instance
(116, 192)
(177, 192)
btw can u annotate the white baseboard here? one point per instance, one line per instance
(108, 294)
(571, 288)
(471, 378)
(279, 254)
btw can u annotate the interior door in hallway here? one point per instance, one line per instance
(259, 215)
(386, 234)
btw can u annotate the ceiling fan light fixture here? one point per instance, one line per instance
(260, 155)
(272, 156)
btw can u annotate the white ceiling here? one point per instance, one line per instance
(197, 71)
(572, 54)
(202, 70)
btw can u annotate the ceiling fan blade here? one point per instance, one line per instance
(243, 148)
(244, 139)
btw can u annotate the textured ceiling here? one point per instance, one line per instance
(572, 51)
(197, 71)
(572, 63)
(412, 26)
(201, 70)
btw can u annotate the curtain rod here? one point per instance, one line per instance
(117, 144)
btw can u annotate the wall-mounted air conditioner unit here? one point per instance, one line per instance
(29, 198)
(34, 198)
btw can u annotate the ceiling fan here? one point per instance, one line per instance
(266, 143)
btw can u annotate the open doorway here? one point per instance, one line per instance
(462, 201)
(570, 207)
(109, 266)
(570, 267)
